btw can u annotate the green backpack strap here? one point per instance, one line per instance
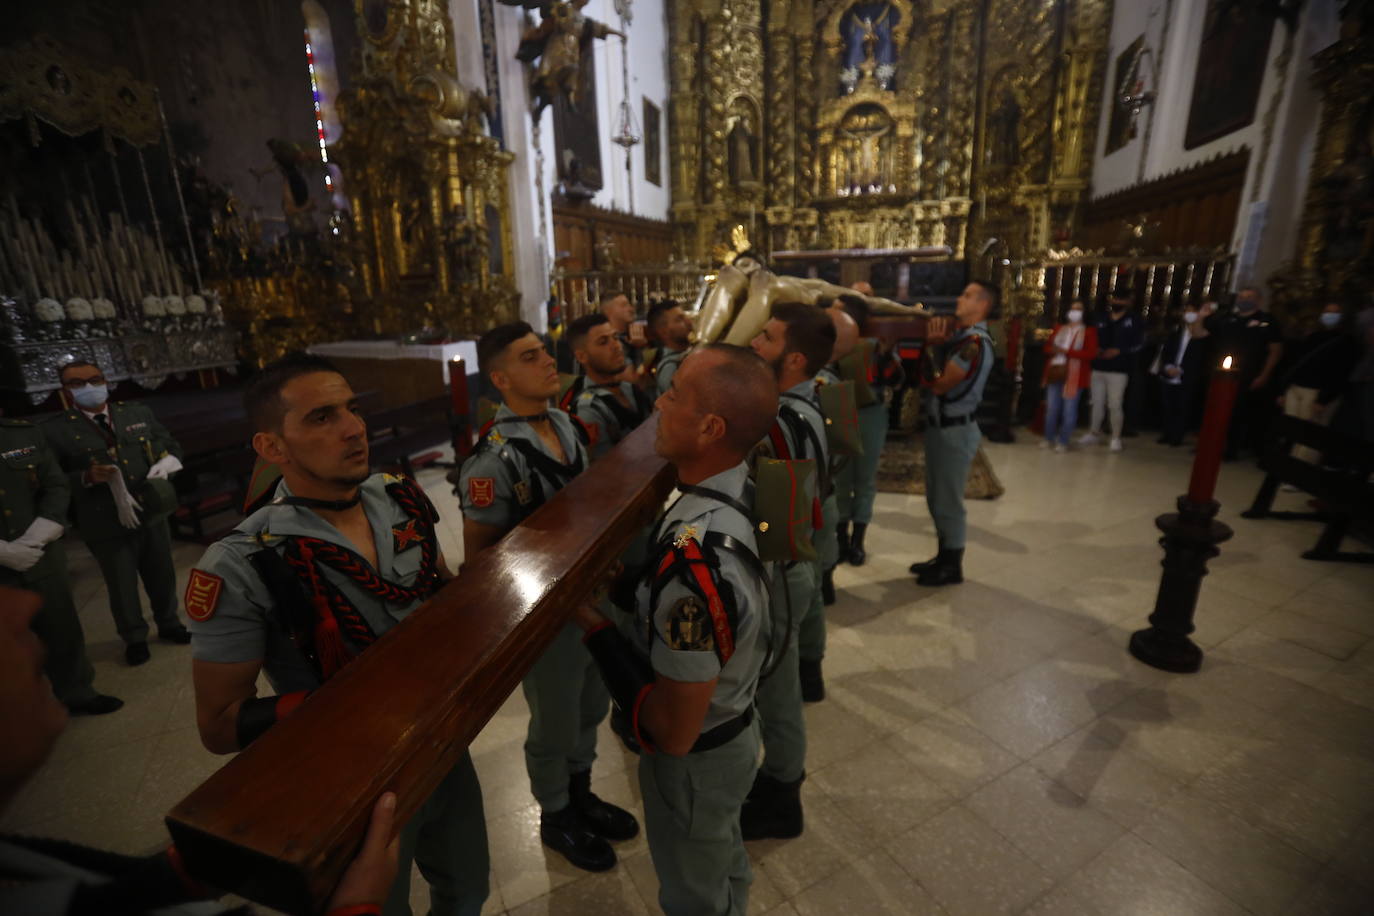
(841, 419)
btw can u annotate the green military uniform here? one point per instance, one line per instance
(811, 639)
(236, 618)
(952, 434)
(508, 476)
(668, 363)
(33, 486)
(795, 599)
(856, 481)
(125, 555)
(609, 420)
(692, 802)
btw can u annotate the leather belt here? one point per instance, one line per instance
(942, 422)
(723, 733)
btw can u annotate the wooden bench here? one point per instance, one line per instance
(402, 438)
(1341, 484)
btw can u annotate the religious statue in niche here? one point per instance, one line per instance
(557, 44)
(864, 152)
(743, 144)
(412, 214)
(289, 161)
(1004, 131)
(869, 51)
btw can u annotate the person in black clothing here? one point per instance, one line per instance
(1179, 365)
(46, 877)
(1120, 337)
(1253, 339)
(1318, 372)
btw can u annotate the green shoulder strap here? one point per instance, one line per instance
(841, 419)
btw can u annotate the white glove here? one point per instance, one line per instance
(125, 504)
(41, 531)
(19, 557)
(164, 468)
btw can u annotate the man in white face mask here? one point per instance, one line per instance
(118, 459)
(1178, 366)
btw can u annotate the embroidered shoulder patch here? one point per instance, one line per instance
(408, 535)
(202, 594)
(689, 626)
(482, 491)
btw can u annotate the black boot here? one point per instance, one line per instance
(828, 587)
(812, 684)
(603, 818)
(948, 569)
(842, 537)
(620, 725)
(567, 833)
(857, 556)
(773, 810)
(918, 568)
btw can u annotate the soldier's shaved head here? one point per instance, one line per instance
(846, 333)
(742, 390)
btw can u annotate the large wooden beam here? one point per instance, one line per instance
(280, 822)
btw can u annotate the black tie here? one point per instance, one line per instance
(106, 430)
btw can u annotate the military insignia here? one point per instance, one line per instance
(522, 492)
(689, 626)
(688, 533)
(495, 437)
(135, 427)
(202, 594)
(482, 491)
(407, 536)
(16, 453)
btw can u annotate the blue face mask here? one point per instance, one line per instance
(1330, 319)
(91, 397)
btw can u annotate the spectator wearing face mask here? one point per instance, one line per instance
(1120, 336)
(1179, 367)
(1319, 372)
(1070, 348)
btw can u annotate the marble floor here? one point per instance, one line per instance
(985, 748)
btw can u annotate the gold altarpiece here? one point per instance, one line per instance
(427, 187)
(830, 125)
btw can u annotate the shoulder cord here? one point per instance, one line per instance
(969, 380)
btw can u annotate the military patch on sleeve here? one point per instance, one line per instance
(970, 349)
(522, 492)
(482, 491)
(408, 535)
(202, 594)
(689, 626)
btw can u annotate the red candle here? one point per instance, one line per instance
(1221, 396)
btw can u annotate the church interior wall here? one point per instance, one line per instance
(1280, 137)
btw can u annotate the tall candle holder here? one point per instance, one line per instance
(1191, 536)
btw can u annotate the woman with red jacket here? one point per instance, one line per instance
(1071, 349)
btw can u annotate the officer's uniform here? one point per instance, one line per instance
(952, 434)
(692, 803)
(1246, 338)
(797, 612)
(597, 406)
(508, 476)
(32, 486)
(125, 555)
(668, 362)
(856, 481)
(236, 618)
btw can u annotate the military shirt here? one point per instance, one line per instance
(140, 442)
(964, 350)
(677, 633)
(31, 485)
(500, 486)
(243, 623)
(668, 364)
(597, 406)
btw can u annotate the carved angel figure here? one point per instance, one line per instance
(556, 43)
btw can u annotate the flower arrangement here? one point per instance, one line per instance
(49, 310)
(79, 309)
(176, 305)
(104, 309)
(195, 305)
(153, 307)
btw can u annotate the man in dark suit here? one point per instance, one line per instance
(1180, 367)
(118, 459)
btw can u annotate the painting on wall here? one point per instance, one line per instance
(1230, 69)
(653, 145)
(1121, 128)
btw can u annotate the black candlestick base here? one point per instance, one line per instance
(1191, 536)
